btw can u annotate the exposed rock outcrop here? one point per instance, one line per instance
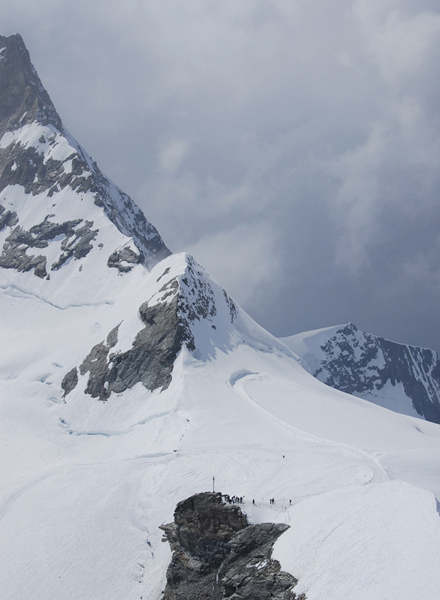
(70, 381)
(123, 260)
(7, 218)
(217, 554)
(23, 97)
(149, 361)
(168, 324)
(76, 243)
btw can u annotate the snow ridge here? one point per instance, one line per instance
(185, 308)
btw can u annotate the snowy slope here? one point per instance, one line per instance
(86, 483)
(397, 376)
(91, 469)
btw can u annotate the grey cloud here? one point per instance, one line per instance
(292, 146)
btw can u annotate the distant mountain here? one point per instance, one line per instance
(400, 377)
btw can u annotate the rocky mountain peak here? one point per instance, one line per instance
(217, 554)
(74, 201)
(184, 307)
(23, 98)
(401, 377)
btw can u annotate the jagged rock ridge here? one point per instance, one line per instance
(217, 554)
(363, 364)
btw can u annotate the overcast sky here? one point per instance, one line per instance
(291, 146)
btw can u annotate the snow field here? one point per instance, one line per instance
(86, 484)
(378, 541)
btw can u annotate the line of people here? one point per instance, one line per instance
(233, 499)
(239, 500)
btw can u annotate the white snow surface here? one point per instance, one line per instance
(86, 484)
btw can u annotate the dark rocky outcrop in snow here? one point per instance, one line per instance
(76, 243)
(70, 381)
(149, 361)
(117, 259)
(358, 363)
(217, 554)
(167, 327)
(197, 299)
(23, 97)
(231, 305)
(28, 168)
(7, 218)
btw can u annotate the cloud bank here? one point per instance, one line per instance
(292, 146)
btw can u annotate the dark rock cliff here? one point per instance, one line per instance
(23, 97)
(149, 361)
(217, 554)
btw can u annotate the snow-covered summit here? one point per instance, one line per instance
(179, 305)
(58, 212)
(397, 376)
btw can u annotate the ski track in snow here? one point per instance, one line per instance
(18, 492)
(9, 501)
(238, 381)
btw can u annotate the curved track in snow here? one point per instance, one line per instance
(369, 468)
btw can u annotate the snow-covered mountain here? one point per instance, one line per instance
(129, 379)
(58, 211)
(397, 376)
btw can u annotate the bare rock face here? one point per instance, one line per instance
(16, 249)
(23, 97)
(217, 554)
(168, 325)
(149, 361)
(123, 260)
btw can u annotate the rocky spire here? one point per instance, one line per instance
(217, 554)
(23, 98)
